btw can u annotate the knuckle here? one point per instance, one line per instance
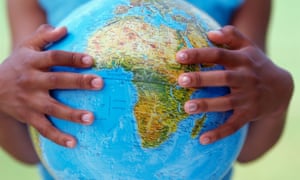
(215, 135)
(197, 79)
(229, 29)
(73, 116)
(218, 53)
(50, 109)
(45, 129)
(234, 78)
(25, 116)
(22, 98)
(203, 105)
(52, 79)
(48, 131)
(25, 79)
(235, 102)
(232, 127)
(43, 28)
(231, 103)
(74, 59)
(52, 55)
(30, 59)
(82, 81)
(22, 80)
(245, 59)
(228, 76)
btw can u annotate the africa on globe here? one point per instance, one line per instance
(140, 130)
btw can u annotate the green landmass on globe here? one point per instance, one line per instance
(148, 52)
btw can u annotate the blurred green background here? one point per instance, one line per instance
(283, 161)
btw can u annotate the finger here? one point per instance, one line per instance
(211, 79)
(63, 58)
(46, 129)
(215, 55)
(234, 123)
(230, 37)
(66, 80)
(218, 104)
(51, 107)
(45, 35)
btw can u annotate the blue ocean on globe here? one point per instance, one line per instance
(140, 130)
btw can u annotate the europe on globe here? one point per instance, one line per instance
(140, 130)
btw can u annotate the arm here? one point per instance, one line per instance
(14, 136)
(15, 139)
(24, 18)
(253, 20)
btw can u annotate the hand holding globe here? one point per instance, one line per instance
(253, 80)
(30, 81)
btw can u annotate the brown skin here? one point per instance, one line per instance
(260, 91)
(28, 77)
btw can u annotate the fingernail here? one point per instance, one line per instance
(87, 60)
(182, 56)
(185, 80)
(57, 29)
(96, 83)
(205, 141)
(192, 107)
(216, 32)
(87, 118)
(70, 143)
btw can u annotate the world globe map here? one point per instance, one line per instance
(141, 130)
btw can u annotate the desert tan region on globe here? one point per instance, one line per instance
(141, 130)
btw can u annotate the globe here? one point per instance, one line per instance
(140, 130)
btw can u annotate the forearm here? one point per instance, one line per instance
(15, 140)
(24, 18)
(262, 136)
(265, 132)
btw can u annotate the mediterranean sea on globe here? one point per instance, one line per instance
(140, 130)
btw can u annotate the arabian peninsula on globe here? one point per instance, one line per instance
(141, 130)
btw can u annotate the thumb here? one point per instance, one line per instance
(229, 37)
(44, 36)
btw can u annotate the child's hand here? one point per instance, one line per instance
(259, 90)
(26, 80)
